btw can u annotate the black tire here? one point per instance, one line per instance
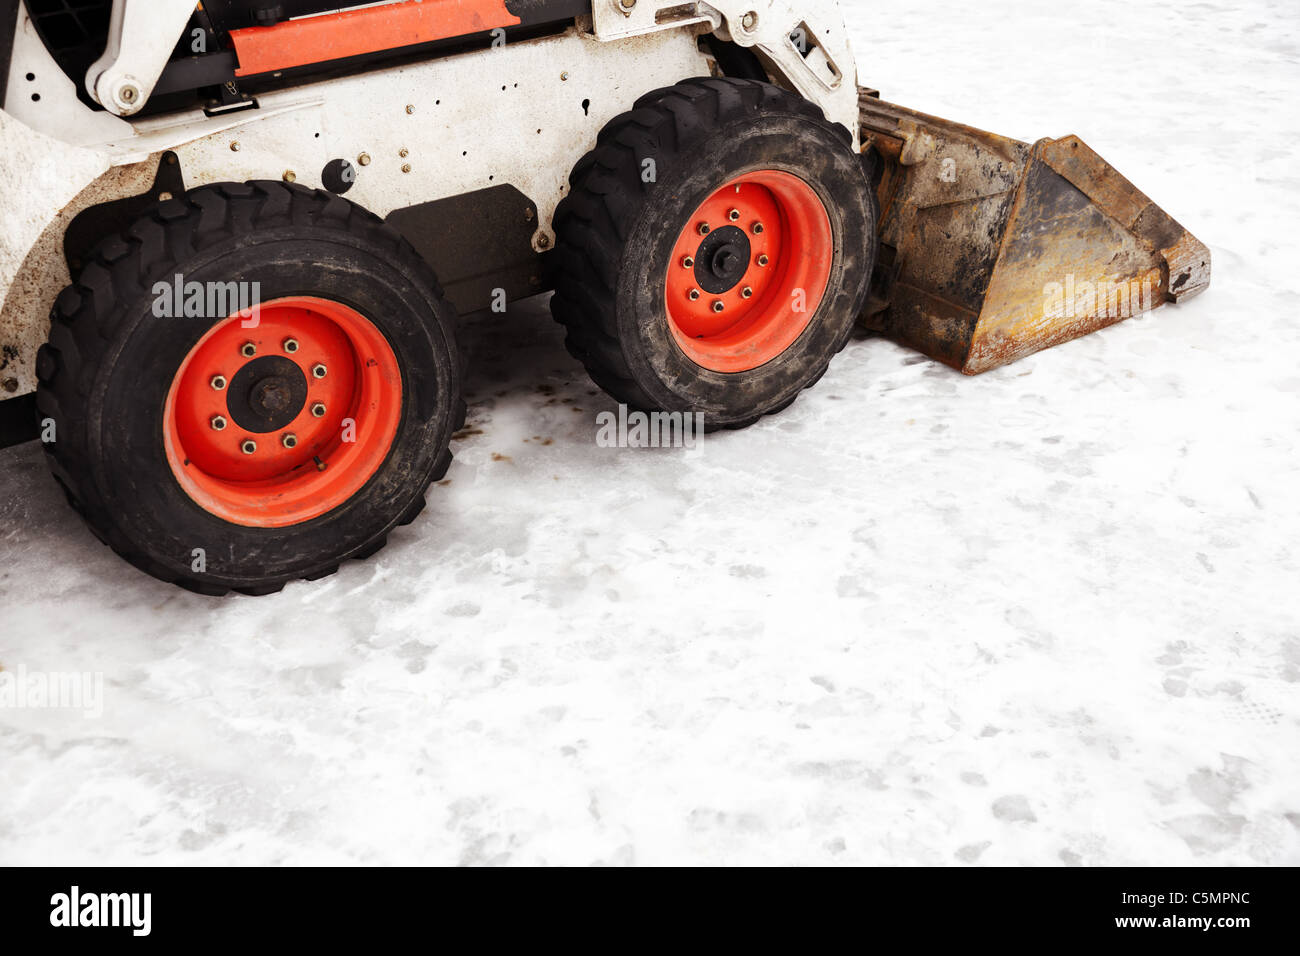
(105, 373)
(616, 235)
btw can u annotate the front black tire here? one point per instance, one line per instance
(105, 375)
(618, 238)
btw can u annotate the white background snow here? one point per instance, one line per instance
(1043, 616)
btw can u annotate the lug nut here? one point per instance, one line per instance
(318, 371)
(688, 263)
(218, 423)
(291, 345)
(290, 440)
(763, 260)
(248, 350)
(704, 229)
(694, 295)
(318, 410)
(734, 215)
(218, 382)
(248, 446)
(747, 292)
(758, 228)
(718, 306)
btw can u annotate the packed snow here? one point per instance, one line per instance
(1044, 616)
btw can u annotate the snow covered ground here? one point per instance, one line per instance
(1044, 616)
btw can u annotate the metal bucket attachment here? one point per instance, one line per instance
(992, 249)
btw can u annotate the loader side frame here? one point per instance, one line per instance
(377, 120)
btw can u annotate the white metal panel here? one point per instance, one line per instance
(522, 114)
(48, 101)
(41, 177)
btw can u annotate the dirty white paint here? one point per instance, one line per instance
(422, 126)
(1043, 616)
(35, 190)
(41, 96)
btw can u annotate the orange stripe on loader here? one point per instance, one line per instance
(336, 36)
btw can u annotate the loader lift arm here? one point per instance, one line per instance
(141, 37)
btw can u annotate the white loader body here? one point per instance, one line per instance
(521, 113)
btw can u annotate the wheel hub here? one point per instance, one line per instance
(267, 394)
(270, 395)
(722, 260)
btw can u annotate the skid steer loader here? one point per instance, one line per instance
(237, 237)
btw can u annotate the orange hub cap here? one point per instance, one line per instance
(277, 424)
(749, 271)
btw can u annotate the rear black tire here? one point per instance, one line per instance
(616, 235)
(105, 374)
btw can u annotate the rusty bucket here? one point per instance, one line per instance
(992, 249)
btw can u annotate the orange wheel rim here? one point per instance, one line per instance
(281, 423)
(748, 271)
